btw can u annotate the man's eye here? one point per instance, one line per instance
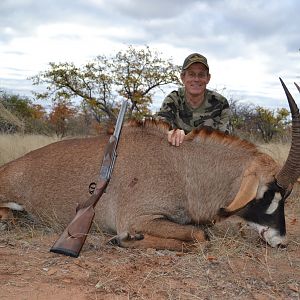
(199, 75)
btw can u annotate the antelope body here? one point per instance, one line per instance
(159, 194)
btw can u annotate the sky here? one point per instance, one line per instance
(248, 44)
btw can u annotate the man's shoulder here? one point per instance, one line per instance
(175, 96)
(217, 96)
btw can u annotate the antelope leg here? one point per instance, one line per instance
(164, 234)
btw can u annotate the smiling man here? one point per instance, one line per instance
(193, 105)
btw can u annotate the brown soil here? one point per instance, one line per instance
(235, 264)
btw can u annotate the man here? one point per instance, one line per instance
(193, 105)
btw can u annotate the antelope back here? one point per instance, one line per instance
(190, 182)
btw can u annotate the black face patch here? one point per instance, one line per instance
(256, 210)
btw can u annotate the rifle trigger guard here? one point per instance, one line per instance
(92, 187)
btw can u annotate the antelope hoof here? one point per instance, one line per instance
(125, 236)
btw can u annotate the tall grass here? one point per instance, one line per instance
(13, 146)
(278, 151)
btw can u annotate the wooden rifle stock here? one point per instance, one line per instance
(72, 239)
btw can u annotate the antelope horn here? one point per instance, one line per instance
(297, 86)
(291, 169)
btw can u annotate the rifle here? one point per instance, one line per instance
(72, 239)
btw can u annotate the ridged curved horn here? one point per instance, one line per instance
(291, 169)
(297, 86)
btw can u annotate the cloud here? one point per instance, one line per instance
(248, 44)
(144, 10)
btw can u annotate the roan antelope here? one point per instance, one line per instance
(158, 195)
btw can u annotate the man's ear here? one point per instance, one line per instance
(182, 77)
(208, 78)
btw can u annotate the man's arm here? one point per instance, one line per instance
(168, 110)
(225, 118)
(168, 113)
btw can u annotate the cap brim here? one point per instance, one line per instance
(201, 62)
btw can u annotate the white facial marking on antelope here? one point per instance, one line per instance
(274, 204)
(269, 235)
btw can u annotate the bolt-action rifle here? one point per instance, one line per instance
(72, 239)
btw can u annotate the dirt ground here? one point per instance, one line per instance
(234, 264)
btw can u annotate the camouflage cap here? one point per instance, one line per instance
(194, 58)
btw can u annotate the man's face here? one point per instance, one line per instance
(195, 79)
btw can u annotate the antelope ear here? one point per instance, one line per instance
(246, 193)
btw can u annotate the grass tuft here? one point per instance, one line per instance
(13, 146)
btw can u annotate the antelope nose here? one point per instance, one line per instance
(278, 241)
(273, 237)
(282, 245)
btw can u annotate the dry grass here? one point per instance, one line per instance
(278, 151)
(13, 146)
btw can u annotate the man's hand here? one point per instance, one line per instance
(176, 137)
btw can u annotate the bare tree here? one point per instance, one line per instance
(138, 73)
